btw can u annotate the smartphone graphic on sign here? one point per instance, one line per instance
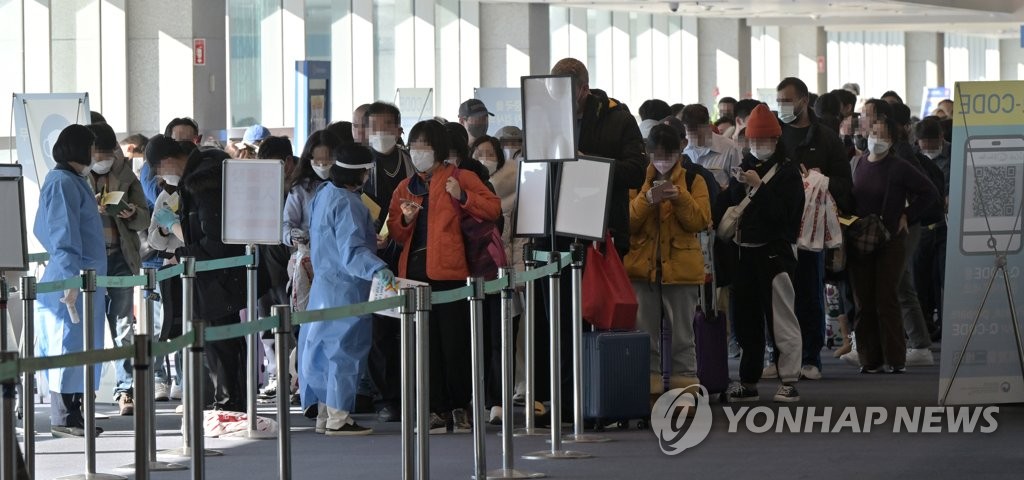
(993, 186)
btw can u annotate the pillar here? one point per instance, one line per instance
(1011, 58)
(800, 48)
(925, 66)
(724, 59)
(515, 42)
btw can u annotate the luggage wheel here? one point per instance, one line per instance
(642, 424)
(623, 424)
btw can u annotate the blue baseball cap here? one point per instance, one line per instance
(255, 134)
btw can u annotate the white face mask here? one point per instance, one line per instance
(322, 172)
(103, 167)
(171, 180)
(422, 160)
(876, 146)
(663, 166)
(492, 166)
(510, 153)
(931, 153)
(383, 143)
(787, 112)
(762, 153)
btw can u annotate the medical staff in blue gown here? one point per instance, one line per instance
(68, 226)
(343, 251)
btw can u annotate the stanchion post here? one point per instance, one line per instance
(88, 399)
(577, 350)
(408, 387)
(554, 317)
(529, 348)
(145, 406)
(9, 440)
(195, 380)
(508, 470)
(28, 301)
(252, 356)
(476, 334)
(422, 382)
(283, 344)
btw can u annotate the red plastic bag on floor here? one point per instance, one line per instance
(609, 302)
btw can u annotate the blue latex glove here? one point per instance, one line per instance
(385, 276)
(165, 218)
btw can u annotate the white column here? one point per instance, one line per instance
(160, 73)
(765, 61)
(448, 94)
(675, 60)
(620, 86)
(362, 57)
(293, 49)
(691, 65)
(1011, 58)
(800, 49)
(724, 59)
(577, 34)
(75, 60)
(271, 59)
(341, 60)
(923, 66)
(505, 44)
(113, 38)
(660, 59)
(37, 46)
(11, 56)
(469, 48)
(641, 61)
(602, 72)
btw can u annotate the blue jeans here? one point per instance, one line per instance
(120, 319)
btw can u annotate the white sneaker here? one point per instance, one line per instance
(771, 371)
(495, 416)
(161, 392)
(852, 358)
(175, 393)
(920, 357)
(810, 372)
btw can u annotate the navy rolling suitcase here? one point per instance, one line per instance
(616, 377)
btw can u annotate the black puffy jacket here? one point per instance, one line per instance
(219, 293)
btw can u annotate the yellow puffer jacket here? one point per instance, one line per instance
(674, 226)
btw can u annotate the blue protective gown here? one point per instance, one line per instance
(69, 227)
(343, 251)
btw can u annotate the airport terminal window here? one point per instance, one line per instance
(245, 37)
(318, 29)
(384, 48)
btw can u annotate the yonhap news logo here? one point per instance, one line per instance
(682, 418)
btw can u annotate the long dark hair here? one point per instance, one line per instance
(495, 144)
(303, 171)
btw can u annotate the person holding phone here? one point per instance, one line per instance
(665, 262)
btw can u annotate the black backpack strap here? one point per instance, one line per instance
(691, 174)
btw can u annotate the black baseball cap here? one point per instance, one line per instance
(473, 108)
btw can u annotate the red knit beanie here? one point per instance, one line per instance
(762, 124)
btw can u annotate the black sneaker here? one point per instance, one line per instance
(743, 393)
(388, 414)
(787, 394)
(312, 411)
(437, 425)
(460, 421)
(352, 429)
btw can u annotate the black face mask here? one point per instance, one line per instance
(860, 142)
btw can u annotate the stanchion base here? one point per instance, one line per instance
(534, 432)
(584, 438)
(254, 435)
(187, 452)
(503, 474)
(91, 476)
(157, 466)
(556, 455)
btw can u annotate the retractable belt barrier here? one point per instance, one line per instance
(12, 368)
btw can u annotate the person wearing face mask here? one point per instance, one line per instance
(888, 186)
(313, 168)
(762, 284)
(810, 144)
(474, 117)
(424, 219)
(344, 248)
(706, 148)
(69, 227)
(930, 259)
(651, 112)
(459, 154)
(511, 138)
(665, 262)
(220, 294)
(183, 129)
(111, 173)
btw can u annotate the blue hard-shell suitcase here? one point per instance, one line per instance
(616, 375)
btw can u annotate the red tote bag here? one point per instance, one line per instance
(609, 302)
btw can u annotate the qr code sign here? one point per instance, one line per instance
(995, 191)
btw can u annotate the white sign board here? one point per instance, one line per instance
(13, 246)
(531, 218)
(380, 291)
(253, 202)
(583, 193)
(416, 104)
(505, 103)
(549, 118)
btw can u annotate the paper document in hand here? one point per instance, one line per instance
(384, 232)
(380, 291)
(114, 202)
(372, 205)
